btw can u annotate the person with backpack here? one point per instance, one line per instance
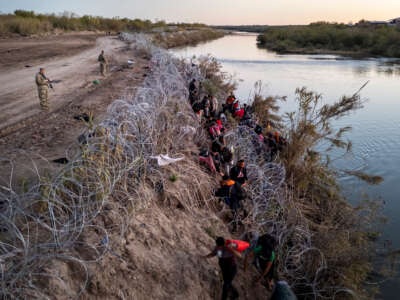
(282, 291)
(227, 157)
(192, 86)
(206, 105)
(265, 257)
(216, 157)
(193, 97)
(227, 261)
(270, 142)
(225, 190)
(197, 108)
(228, 106)
(213, 107)
(221, 138)
(231, 98)
(232, 192)
(214, 130)
(239, 173)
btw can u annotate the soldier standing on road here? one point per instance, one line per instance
(43, 89)
(103, 63)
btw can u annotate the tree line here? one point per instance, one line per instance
(25, 22)
(322, 37)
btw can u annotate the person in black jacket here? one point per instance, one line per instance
(227, 157)
(192, 86)
(232, 192)
(239, 173)
(216, 157)
(226, 260)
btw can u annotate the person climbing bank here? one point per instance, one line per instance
(226, 259)
(264, 254)
(239, 173)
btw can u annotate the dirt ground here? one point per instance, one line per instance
(25, 52)
(159, 257)
(160, 254)
(25, 131)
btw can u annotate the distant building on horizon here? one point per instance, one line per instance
(378, 22)
(391, 22)
(395, 21)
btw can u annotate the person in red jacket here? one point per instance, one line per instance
(238, 112)
(226, 259)
(231, 98)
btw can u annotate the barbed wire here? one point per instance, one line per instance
(47, 221)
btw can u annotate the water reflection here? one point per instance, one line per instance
(362, 70)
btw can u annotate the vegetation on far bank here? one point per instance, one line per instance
(244, 28)
(186, 37)
(362, 39)
(27, 23)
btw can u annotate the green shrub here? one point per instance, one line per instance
(28, 22)
(364, 38)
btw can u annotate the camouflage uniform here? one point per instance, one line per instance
(103, 64)
(43, 90)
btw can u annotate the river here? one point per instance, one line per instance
(376, 127)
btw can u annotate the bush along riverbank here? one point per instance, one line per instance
(326, 245)
(181, 38)
(119, 219)
(325, 38)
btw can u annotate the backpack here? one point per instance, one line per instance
(239, 191)
(227, 155)
(197, 107)
(258, 129)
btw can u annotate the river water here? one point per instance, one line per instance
(376, 127)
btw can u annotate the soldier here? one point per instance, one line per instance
(43, 88)
(103, 63)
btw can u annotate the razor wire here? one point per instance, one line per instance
(47, 222)
(272, 210)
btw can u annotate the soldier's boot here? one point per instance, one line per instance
(103, 70)
(44, 104)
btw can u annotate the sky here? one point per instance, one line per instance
(220, 12)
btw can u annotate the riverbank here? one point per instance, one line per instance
(361, 40)
(373, 126)
(185, 38)
(123, 206)
(72, 59)
(122, 203)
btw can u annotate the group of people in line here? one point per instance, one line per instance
(43, 83)
(219, 160)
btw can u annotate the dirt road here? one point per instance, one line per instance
(18, 93)
(41, 137)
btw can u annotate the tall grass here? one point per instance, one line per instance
(365, 39)
(336, 260)
(28, 22)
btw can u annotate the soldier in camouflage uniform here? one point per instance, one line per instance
(43, 89)
(103, 63)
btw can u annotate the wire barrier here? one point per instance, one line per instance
(49, 220)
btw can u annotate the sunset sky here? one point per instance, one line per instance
(220, 12)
